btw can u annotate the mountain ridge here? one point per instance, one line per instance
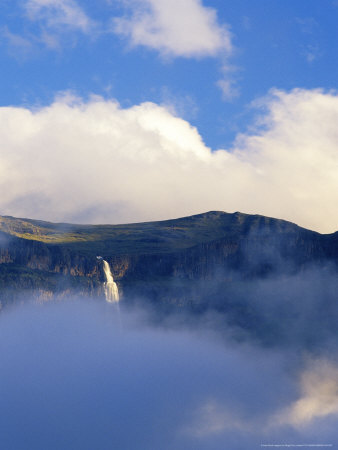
(53, 232)
(47, 224)
(159, 260)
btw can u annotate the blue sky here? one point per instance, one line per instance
(274, 44)
(213, 64)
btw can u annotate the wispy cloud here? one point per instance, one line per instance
(18, 46)
(228, 83)
(311, 52)
(175, 29)
(50, 22)
(319, 397)
(179, 105)
(307, 25)
(58, 14)
(213, 418)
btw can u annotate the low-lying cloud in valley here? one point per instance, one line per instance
(96, 162)
(319, 395)
(72, 377)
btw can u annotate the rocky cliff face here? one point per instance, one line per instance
(159, 260)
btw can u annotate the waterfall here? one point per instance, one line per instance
(110, 287)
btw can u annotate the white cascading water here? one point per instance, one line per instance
(110, 287)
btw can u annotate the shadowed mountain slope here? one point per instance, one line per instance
(148, 237)
(162, 261)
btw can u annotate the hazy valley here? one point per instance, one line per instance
(223, 331)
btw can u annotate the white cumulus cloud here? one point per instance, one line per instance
(97, 162)
(174, 28)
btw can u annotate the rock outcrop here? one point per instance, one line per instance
(159, 260)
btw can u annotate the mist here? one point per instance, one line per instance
(73, 377)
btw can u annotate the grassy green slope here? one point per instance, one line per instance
(148, 237)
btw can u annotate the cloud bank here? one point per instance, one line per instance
(175, 28)
(97, 162)
(72, 379)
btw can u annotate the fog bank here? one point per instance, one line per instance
(73, 378)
